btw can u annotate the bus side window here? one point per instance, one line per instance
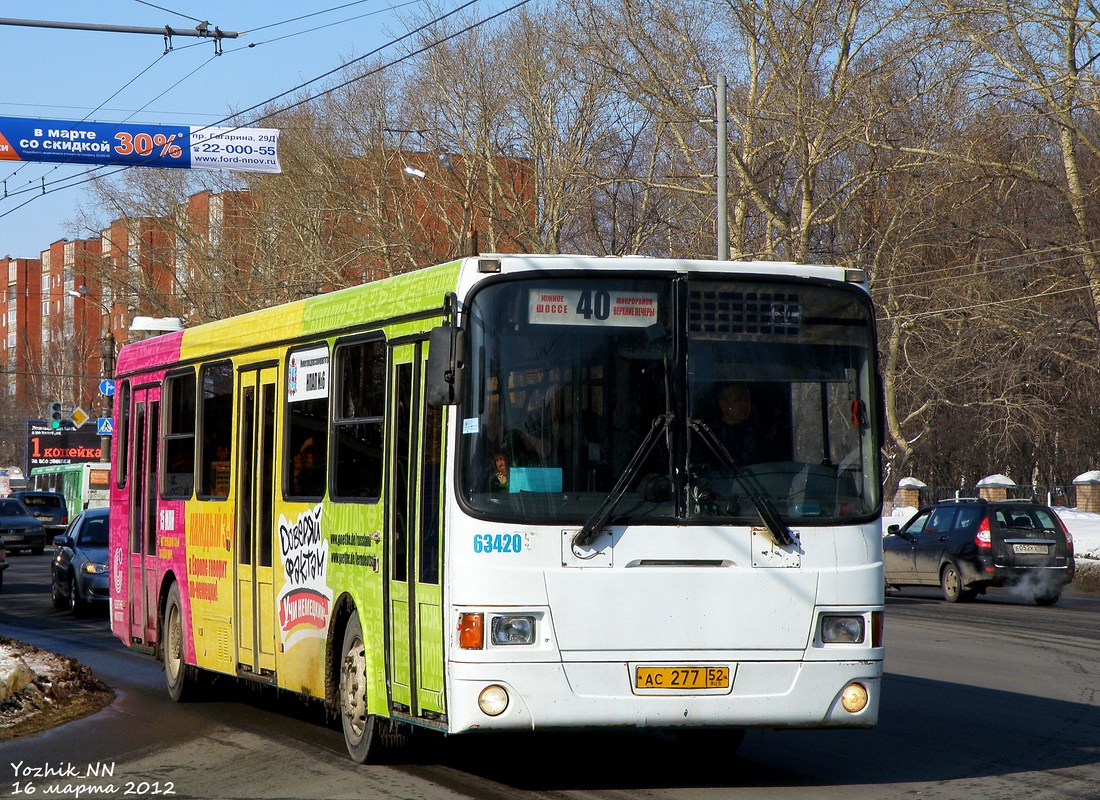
(358, 420)
(179, 436)
(121, 437)
(216, 422)
(307, 420)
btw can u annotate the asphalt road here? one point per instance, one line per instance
(996, 698)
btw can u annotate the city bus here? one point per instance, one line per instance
(493, 495)
(84, 485)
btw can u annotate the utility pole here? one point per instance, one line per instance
(109, 398)
(107, 355)
(722, 188)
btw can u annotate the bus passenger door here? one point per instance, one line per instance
(142, 591)
(255, 595)
(413, 544)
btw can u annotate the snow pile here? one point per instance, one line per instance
(15, 675)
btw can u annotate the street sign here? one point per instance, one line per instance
(105, 426)
(79, 416)
(107, 387)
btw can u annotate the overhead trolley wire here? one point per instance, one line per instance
(55, 167)
(168, 10)
(95, 173)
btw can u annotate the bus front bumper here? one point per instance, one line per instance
(773, 694)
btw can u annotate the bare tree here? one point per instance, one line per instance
(1037, 61)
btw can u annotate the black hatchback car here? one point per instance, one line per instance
(966, 545)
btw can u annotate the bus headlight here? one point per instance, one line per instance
(837, 629)
(493, 700)
(513, 630)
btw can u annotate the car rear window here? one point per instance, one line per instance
(41, 501)
(1024, 517)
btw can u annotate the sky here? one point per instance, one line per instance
(57, 74)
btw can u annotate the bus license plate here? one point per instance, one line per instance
(682, 678)
(1038, 549)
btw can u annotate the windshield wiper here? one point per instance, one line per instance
(764, 506)
(599, 517)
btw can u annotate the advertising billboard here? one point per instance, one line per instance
(139, 145)
(48, 446)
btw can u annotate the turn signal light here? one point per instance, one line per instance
(471, 631)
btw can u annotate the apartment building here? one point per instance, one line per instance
(68, 311)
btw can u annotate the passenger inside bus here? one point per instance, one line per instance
(217, 480)
(498, 474)
(734, 427)
(309, 477)
(752, 422)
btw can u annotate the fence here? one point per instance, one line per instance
(1059, 495)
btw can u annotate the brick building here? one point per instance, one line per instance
(68, 311)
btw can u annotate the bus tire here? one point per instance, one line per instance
(359, 725)
(179, 677)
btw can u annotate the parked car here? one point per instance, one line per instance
(79, 576)
(48, 508)
(19, 530)
(969, 544)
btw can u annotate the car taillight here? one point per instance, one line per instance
(1065, 530)
(64, 519)
(982, 537)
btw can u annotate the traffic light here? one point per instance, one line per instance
(55, 415)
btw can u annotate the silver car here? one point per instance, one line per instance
(79, 575)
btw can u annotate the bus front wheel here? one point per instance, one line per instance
(359, 726)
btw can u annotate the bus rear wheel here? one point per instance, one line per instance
(181, 683)
(359, 726)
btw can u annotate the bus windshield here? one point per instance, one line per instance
(690, 398)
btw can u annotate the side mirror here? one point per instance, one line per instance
(445, 366)
(62, 540)
(894, 530)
